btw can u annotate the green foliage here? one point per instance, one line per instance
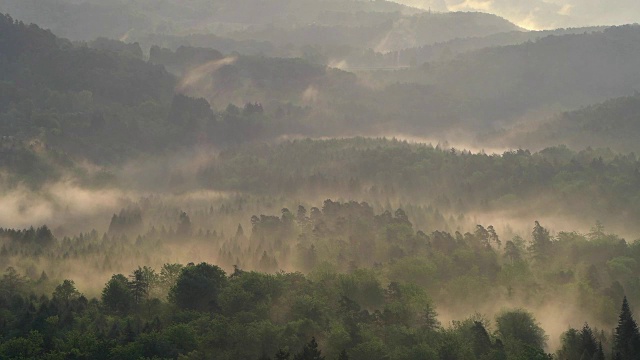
(519, 332)
(117, 296)
(30, 347)
(451, 181)
(542, 244)
(198, 287)
(627, 338)
(66, 291)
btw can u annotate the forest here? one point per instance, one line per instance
(369, 288)
(334, 179)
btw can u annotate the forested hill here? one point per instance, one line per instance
(34, 59)
(614, 124)
(101, 102)
(79, 99)
(555, 72)
(443, 51)
(553, 182)
(392, 33)
(354, 22)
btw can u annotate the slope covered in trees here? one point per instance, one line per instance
(382, 24)
(614, 124)
(101, 103)
(555, 72)
(591, 183)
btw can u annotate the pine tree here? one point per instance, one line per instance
(626, 344)
(542, 243)
(588, 341)
(599, 355)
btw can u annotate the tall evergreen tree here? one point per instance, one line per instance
(541, 246)
(626, 345)
(588, 341)
(599, 355)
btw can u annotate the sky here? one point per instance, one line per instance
(545, 14)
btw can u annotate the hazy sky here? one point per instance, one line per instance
(545, 14)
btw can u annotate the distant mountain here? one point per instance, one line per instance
(102, 101)
(379, 25)
(34, 59)
(395, 33)
(242, 78)
(613, 124)
(78, 20)
(89, 19)
(87, 101)
(448, 50)
(99, 101)
(554, 73)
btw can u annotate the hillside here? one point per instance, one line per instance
(380, 25)
(88, 19)
(395, 33)
(614, 124)
(103, 103)
(448, 50)
(553, 73)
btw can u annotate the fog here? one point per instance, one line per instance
(365, 179)
(198, 79)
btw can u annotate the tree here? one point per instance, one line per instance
(493, 235)
(519, 325)
(480, 340)
(482, 235)
(597, 231)
(117, 296)
(599, 355)
(570, 349)
(588, 341)
(309, 352)
(429, 318)
(301, 214)
(12, 283)
(626, 341)
(577, 345)
(198, 287)
(140, 283)
(541, 246)
(512, 252)
(169, 274)
(30, 347)
(66, 291)
(44, 237)
(184, 225)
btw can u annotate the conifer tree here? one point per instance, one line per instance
(626, 344)
(599, 355)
